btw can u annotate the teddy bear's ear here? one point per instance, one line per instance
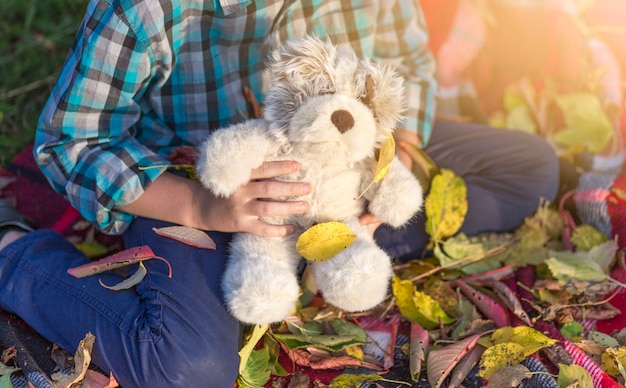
(368, 98)
(385, 95)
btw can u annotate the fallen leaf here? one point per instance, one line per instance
(446, 205)
(82, 359)
(117, 260)
(129, 282)
(323, 241)
(465, 366)
(511, 346)
(441, 362)
(574, 376)
(487, 305)
(509, 376)
(187, 235)
(418, 344)
(417, 306)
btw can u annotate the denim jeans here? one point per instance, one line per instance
(165, 332)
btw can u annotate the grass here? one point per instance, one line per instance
(35, 37)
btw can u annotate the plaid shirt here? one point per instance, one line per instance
(146, 76)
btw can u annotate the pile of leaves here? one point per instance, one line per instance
(464, 308)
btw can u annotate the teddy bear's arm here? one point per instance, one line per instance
(397, 197)
(228, 155)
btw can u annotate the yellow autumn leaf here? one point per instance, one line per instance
(532, 340)
(446, 205)
(511, 346)
(613, 360)
(385, 157)
(386, 153)
(418, 306)
(323, 241)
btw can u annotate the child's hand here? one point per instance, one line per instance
(241, 211)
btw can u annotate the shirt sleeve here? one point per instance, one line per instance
(84, 142)
(402, 40)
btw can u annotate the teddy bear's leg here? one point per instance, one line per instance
(260, 282)
(357, 278)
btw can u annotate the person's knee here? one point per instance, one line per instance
(547, 171)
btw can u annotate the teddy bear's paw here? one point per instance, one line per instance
(356, 279)
(254, 299)
(228, 155)
(398, 198)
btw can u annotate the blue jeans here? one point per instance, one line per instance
(176, 332)
(165, 332)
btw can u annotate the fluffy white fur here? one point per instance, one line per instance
(311, 81)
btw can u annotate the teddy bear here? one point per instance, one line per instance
(330, 111)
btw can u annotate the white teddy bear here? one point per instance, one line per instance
(330, 111)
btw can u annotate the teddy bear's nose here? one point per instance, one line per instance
(343, 120)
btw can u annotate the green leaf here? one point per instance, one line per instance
(446, 205)
(5, 375)
(586, 122)
(343, 327)
(569, 375)
(565, 266)
(572, 331)
(256, 373)
(418, 306)
(258, 332)
(352, 380)
(459, 247)
(585, 237)
(333, 343)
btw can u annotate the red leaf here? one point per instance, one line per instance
(465, 366)
(418, 344)
(117, 260)
(442, 361)
(488, 306)
(511, 301)
(490, 276)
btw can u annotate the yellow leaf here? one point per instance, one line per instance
(511, 346)
(386, 153)
(499, 356)
(613, 360)
(244, 354)
(323, 241)
(446, 205)
(531, 339)
(385, 157)
(418, 306)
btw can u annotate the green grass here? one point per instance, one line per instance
(35, 37)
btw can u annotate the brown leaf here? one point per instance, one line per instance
(509, 376)
(558, 355)
(304, 358)
(82, 359)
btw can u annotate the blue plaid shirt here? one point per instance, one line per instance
(146, 76)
